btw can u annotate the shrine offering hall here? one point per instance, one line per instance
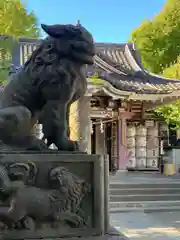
(115, 116)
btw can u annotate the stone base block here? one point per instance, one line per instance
(53, 195)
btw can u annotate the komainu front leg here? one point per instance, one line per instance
(86, 219)
(55, 126)
(72, 219)
(63, 142)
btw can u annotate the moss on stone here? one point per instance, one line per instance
(96, 81)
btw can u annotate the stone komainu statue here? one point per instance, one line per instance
(45, 87)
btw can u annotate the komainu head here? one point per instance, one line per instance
(70, 42)
(74, 42)
(69, 182)
(65, 50)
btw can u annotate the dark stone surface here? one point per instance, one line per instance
(43, 185)
(45, 87)
(112, 234)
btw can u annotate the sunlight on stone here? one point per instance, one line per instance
(151, 232)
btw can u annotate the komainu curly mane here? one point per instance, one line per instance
(73, 188)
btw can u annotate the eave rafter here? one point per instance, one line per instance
(151, 100)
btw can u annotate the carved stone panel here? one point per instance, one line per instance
(53, 195)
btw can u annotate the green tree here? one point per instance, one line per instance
(158, 40)
(171, 112)
(173, 71)
(15, 21)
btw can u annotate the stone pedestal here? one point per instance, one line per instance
(90, 172)
(80, 123)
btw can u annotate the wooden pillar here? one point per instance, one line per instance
(123, 130)
(74, 122)
(100, 141)
(178, 133)
(80, 123)
(122, 144)
(85, 124)
(114, 153)
(118, 142)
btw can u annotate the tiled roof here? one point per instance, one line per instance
(120, 65)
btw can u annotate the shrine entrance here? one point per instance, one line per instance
(103, 140)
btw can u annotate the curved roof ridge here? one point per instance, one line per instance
(110, 66)
(135, 53)
(133, 60)
(110, 44)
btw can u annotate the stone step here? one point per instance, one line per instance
(146, 210)
(142, 191)
(142, 185)
(143, 206)
(144, 197)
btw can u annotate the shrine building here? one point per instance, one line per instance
(115, 116)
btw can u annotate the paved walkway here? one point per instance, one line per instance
(148, 226)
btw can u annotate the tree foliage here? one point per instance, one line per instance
(173, 71)
(6, 45)
(15, 21)
(171, 112)
(158, 40)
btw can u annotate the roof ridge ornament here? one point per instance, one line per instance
(134, 45)
(78, 23)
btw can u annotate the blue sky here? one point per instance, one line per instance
(108, 20)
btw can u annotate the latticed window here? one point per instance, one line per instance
(26, 50)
